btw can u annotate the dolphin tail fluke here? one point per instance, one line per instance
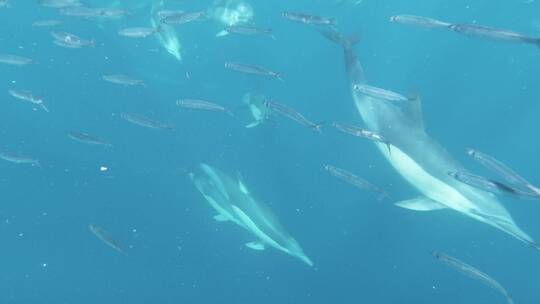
(335, 36)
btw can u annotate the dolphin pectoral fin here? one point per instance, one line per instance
(221, 218)
(241, 184)
(255, 246)
(421, 203)
(413, 110)
(253, 124)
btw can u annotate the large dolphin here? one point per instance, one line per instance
(233, 202)
(419, 159)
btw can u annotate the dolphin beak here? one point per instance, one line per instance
(306, 260)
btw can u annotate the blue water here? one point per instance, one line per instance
(476, 93)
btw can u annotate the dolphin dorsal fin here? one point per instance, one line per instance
(413, 111)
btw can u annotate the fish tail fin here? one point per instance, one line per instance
(278, 77)
(537, 42)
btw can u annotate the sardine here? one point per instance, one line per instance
(292, 114)
(182, 18)
(59, 3)
(122, 80)
(106, 238)
(138, 32)
(355, 180)
(46, 23)
(87, 139)
(19, 158)
(498, 167)
(492, 33)
(379, 93)
(81, 12)
(249, 30)
(28, 96)
(252, 69)
(503, 171)
(472, 272)
(308, 19)
(487, 184)
(146, 122)
(15, 60)
(197, 104)
(419, 21)
(359, 132)
(69, 40)
(169, 13)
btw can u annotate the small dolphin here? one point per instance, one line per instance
(233, 202)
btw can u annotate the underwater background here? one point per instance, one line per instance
(476, 93)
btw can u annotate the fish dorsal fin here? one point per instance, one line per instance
(413, 111)
(421, 203)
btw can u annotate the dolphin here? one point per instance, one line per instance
(255, 104)
(166, 34)
(418, 158)
(233, 202)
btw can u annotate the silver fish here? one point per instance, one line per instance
(355, 180)
(251, 69)
(379, 93)
(492, 33)
(138, 32)
(46, 23)
(419, 21)
(106, 238)
(290, 113)
(111, 12)
(19, 158)
(59, 3)
(81, 12)
(498, 167)
(69, 40)
(198, 104)
(249, 30)
(146, 122)
(15, 60)
(28, 96)
(122, 79)
(182, 18)
(487, 184)
(308, 19)
(165, 13)
(87, 139)
(359, 132)
(472, 272)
